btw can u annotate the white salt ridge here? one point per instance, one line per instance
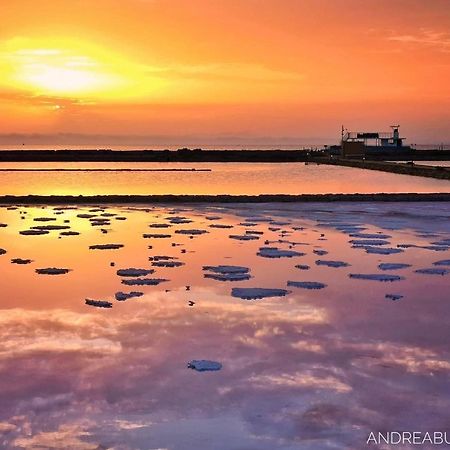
(156, 236)
(144, 281)
(444, 262)
(133, 272)
(122, 296)
(193, 232)
(106, 246)
(52, 271)
(433, 271)
(307, 284)
(244, 237)
(228, 276)
(203, 365)
(393, 266)
(368, 242)
(170, 264)
(257, 293)
(226, 269)
(98, 303)
(393, 297)
(335, 264)
(376, 277)
(274, 252)
(33, 232)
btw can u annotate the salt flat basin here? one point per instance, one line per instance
(224, 178)
(315, 368)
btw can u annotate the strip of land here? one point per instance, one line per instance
(265, 198)
(418, 170)
(199, 155)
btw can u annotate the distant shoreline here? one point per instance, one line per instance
(198, 155)
(9, 200)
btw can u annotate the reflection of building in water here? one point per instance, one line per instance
(360, 144)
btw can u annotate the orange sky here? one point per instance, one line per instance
(216, 71)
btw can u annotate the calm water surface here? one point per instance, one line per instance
(224, 178)
(314, 369)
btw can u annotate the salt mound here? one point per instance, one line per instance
(44, 219)
(320, 252)
(156, 236)
(335, 264)
(381, 251)
(2, 251)
(393, 266)
(52, 271)
(444, 262)
(274, 252)
(86, 216)
(132, 272)
(228, 276)
(51, 227)
(122, 296)
(227, 269)
(192, 232)
(33, 232)
(203, 365)
(213, 217)
(393, 297)
(160, 225)
(368, 242)
(161, 258)
(178, 220)
(257, 293)
(21, 261)
(144, 281)
(167, 263)
(302, 267)
(244, 237)
(3, 225)
(376, 277)
(247, 224)
(106, 246)
(433, 271)
(69, 233)
(370, 236)
(98, 303)
(436, 248)
(220, 225)
(307, 284)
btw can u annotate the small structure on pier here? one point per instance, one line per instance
(359, 144)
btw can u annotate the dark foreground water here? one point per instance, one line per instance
(351, 338)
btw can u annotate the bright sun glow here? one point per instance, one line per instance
(62, 80)
(74, 70)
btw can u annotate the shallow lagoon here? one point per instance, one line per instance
(223, 178)
(314, 369)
